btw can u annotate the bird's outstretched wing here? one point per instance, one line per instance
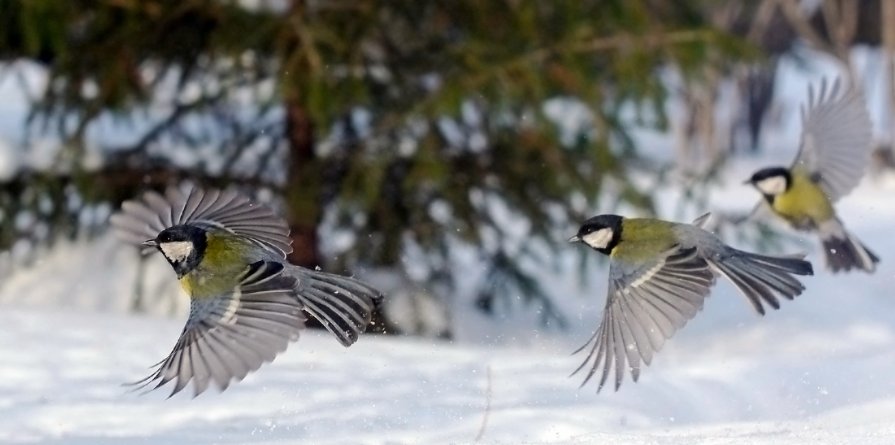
(144, 218)
(228, 336)
(646, 305)
(836, 141)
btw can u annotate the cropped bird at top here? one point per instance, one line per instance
(834, 152)
(247, 303)
(660, 273)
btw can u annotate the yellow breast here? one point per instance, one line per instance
(804, 204)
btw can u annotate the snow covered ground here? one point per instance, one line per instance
(820, 370)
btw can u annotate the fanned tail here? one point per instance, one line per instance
(343, 305)
(843, 252)
(763, 278)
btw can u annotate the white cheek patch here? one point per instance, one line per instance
(598, 239)
(775, 185)
(176, 250)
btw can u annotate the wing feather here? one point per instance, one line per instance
(659, 326)
(636, 322)
(144, 218)
(646, 306)
(230, 335)
(835, 146)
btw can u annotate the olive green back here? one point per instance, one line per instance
(643, 239)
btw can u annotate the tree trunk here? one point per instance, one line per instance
(302, 186)
(302, 193)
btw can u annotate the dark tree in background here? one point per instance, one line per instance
(395, 126)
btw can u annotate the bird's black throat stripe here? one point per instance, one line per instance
(617, 229)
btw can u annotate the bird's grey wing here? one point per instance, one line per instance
(836, 136)
(144, 218)
(343, 305)
(646, 305)
(228, 336)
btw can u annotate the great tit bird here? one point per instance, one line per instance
(834, 152)
(246, 301)
(660, 273)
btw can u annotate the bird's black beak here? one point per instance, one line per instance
(574, 239)
(149, 243)
(747, 182)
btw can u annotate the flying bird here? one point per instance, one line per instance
(660, 273)
(247, 303)
(834, 152)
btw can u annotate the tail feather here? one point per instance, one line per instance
(343, 305)
(761, 278)
(843, 251)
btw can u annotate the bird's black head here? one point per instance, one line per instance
(600, 233)
(772, 181)
(183, 246)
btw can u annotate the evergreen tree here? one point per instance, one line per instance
(413, 127)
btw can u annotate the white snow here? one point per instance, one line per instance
(793, 377)
(817, 371)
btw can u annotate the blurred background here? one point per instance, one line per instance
(443, 151)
